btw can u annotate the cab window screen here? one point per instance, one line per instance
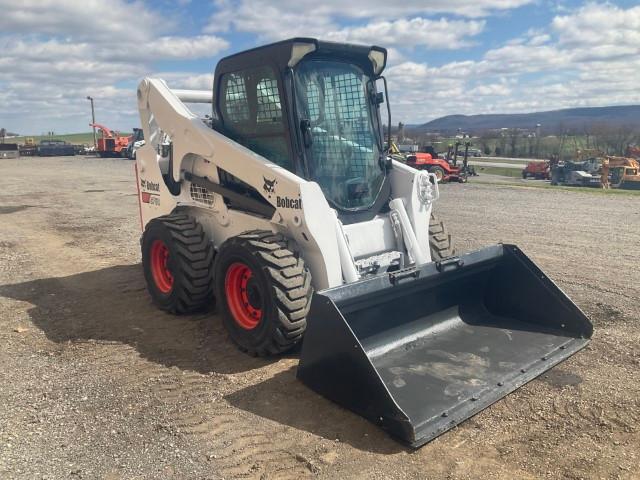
(268, 99)
(236, 105)
(343, 156)
(252, 113)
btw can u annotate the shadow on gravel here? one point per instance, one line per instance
(112, 305)
(283, 399)
(13, 209)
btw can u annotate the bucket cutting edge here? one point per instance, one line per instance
(419, 353)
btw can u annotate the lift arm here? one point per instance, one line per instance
(301, 210)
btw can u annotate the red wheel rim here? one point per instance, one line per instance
(243, 296)
(162, 276)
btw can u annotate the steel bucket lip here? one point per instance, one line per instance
(425, 431)
(428, 430)
(340, 302)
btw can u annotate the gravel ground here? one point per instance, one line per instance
(97, 383)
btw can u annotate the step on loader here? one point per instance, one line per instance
(284, 206)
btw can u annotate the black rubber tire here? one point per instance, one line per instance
(284, 283)
(440, 243)
(190, 261)
(524, 175)
(438, 172)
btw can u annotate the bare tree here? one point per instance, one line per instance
(485, 139)
(530, 146)
(614, 139)
(502, 148)
(3, 133)
(513, 134)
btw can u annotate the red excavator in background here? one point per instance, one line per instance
(442, 169)
(110, 143)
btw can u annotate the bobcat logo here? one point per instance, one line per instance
(269, 186)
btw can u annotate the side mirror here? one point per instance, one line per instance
(386, 162)
(377, 98)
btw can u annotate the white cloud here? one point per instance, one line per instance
(288, 18)
(200, 46)
(245, 15)
(590, 57)
(271, 24)
(539, 39)
(83, 48)
(186, 80)
(90, 20)
(490, 90)
(584, 56)
(519, 59)
(267, 20)
(436, 34)
(599, 25)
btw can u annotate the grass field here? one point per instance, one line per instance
(499, 160)
(547, 186)
(525, 147)
(504, 171)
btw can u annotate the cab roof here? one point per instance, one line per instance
(287, 53)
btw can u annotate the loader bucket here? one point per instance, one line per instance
(419, 351)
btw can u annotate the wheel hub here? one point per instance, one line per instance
(244, 296)
(162, 276)
(253, 294)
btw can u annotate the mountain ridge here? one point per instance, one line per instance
(551, 121)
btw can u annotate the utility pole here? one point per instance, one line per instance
(93, 121)
(538, 140)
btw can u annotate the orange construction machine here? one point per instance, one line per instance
(110, 143)
(625, 173)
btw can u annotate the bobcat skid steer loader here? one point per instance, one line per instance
(285, 208)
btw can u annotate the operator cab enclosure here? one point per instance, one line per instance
(311, 107)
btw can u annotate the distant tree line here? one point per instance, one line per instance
(515, 142)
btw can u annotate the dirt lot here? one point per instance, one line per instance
(97, 383)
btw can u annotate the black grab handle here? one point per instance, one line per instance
(399, 275)
(451, 263)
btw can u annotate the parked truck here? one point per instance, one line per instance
(9, 150)
(54, 148)
(540, 170)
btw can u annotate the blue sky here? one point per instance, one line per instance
(446, 56)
